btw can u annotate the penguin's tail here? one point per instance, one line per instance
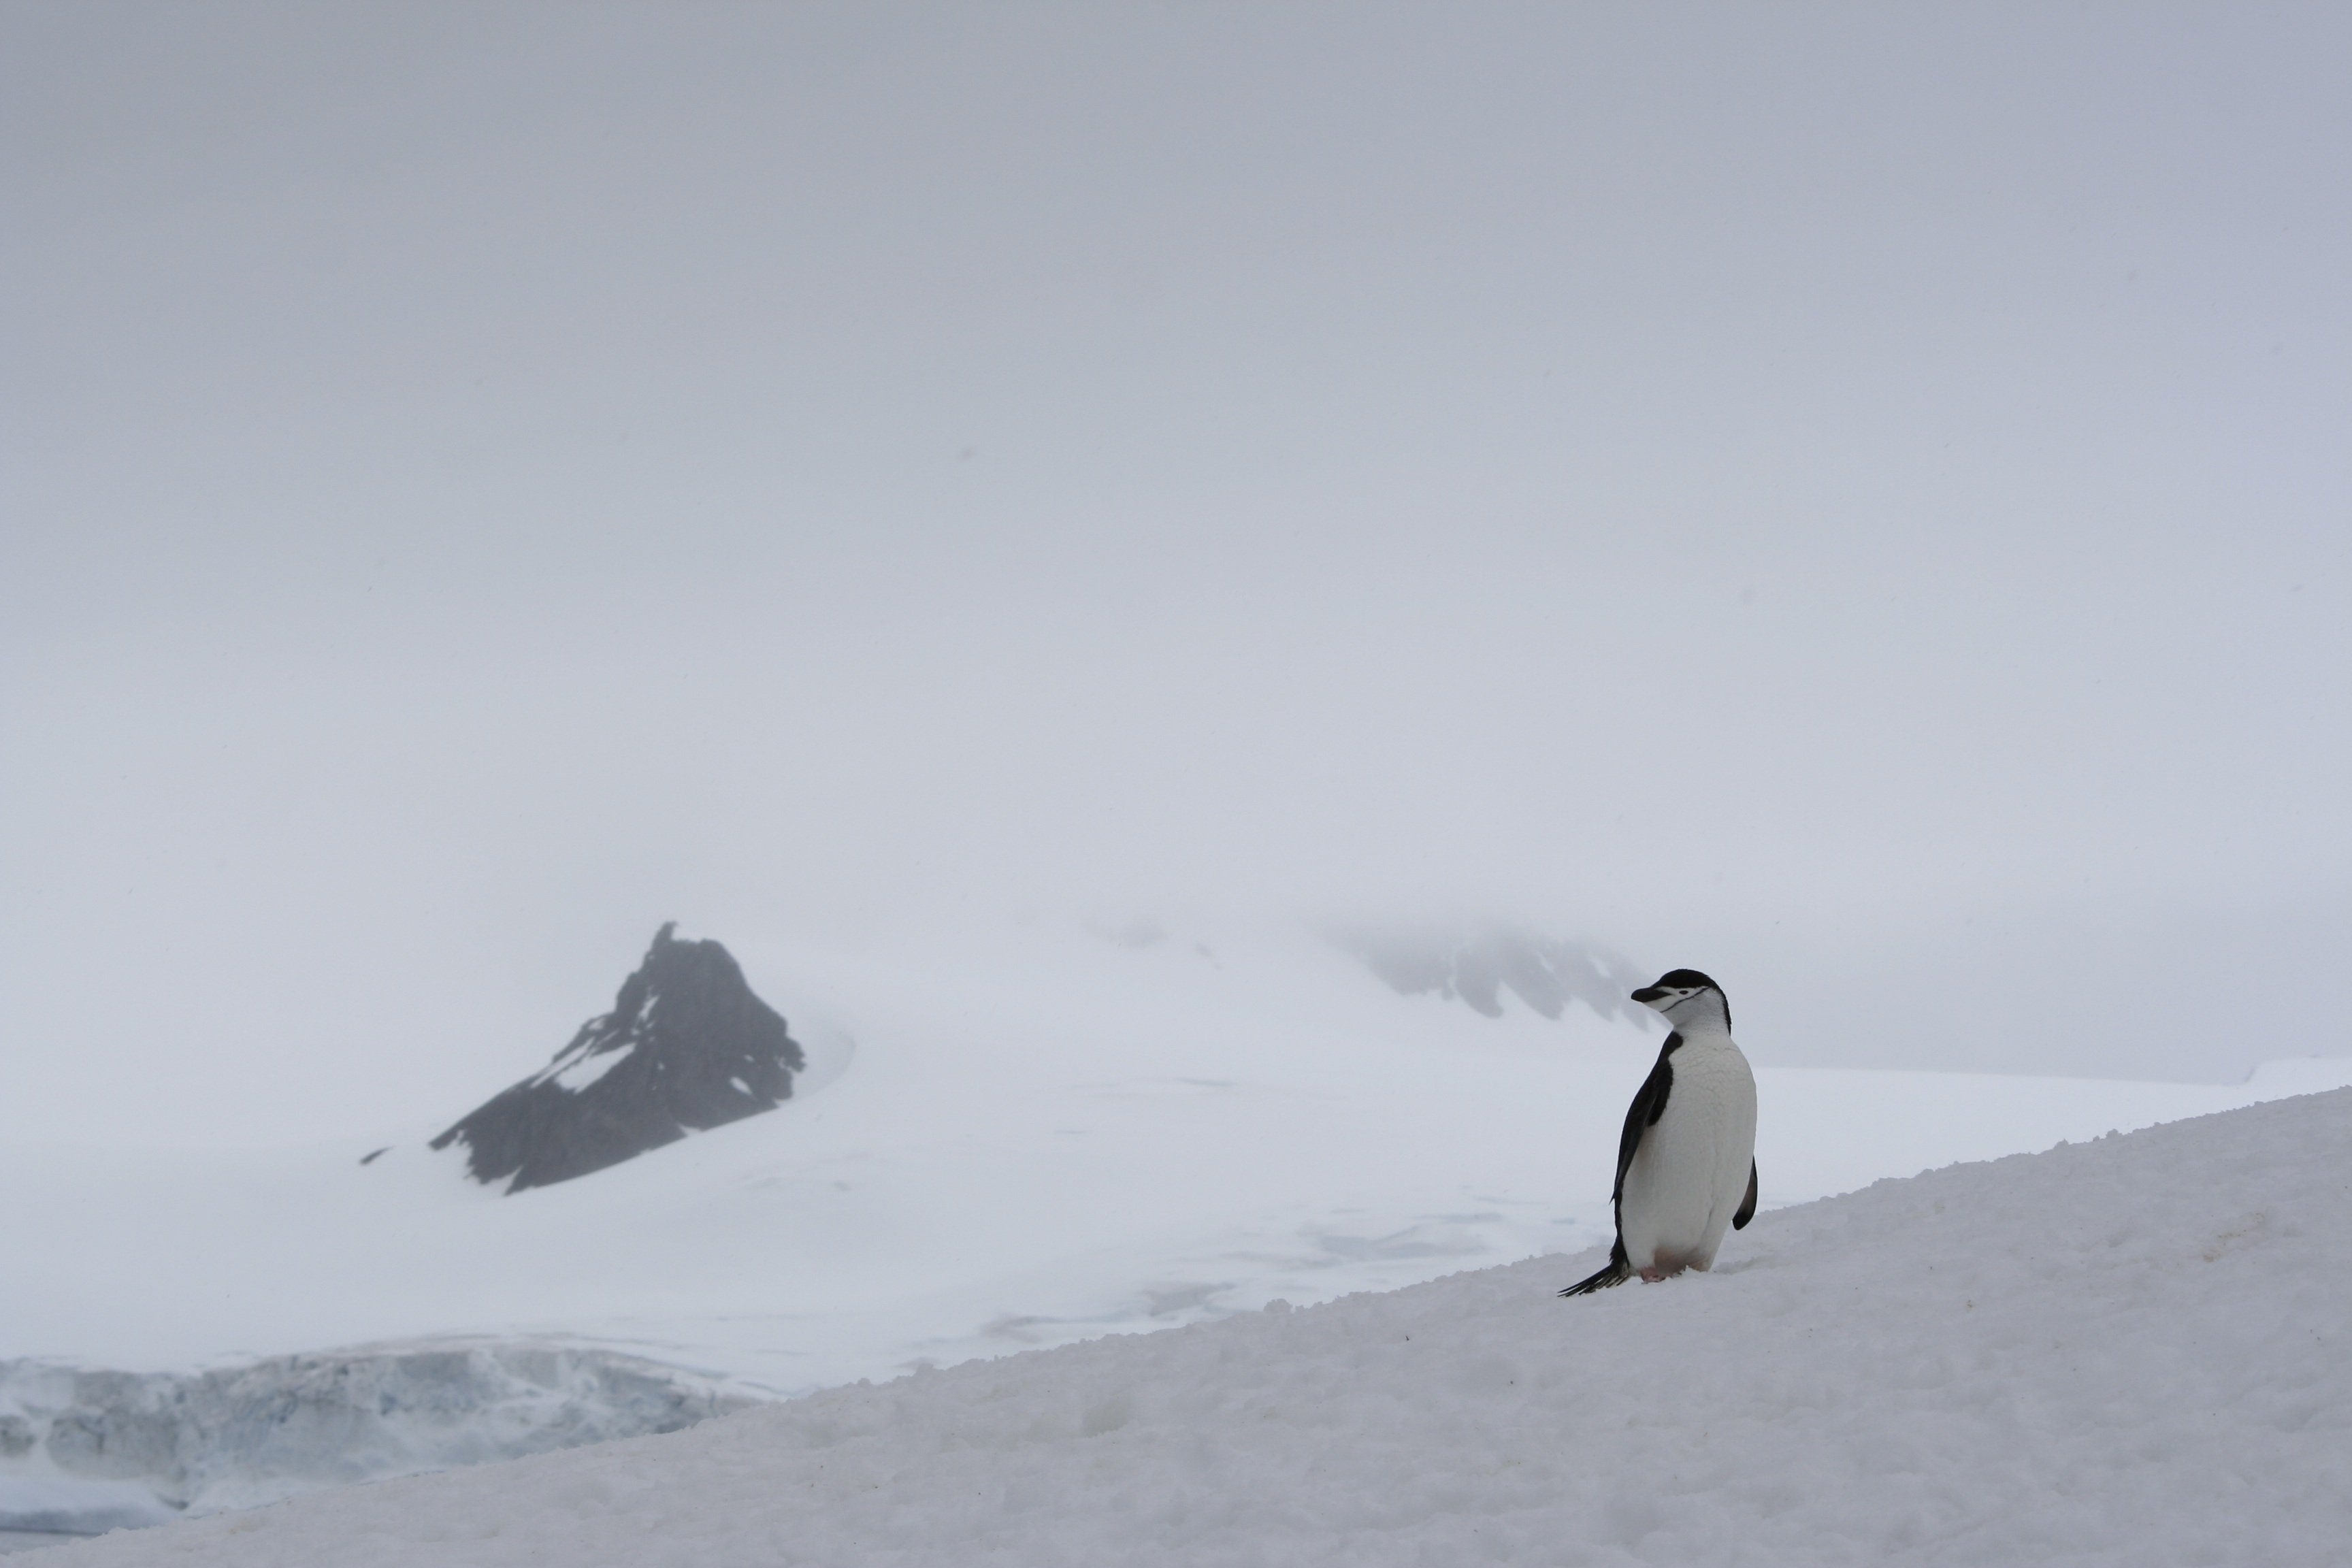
(1616, 1271)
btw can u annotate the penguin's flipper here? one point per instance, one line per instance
(1746, 1204)
(1649, 1104)
(1615, 1272)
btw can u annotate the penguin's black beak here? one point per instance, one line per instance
(1649, 994)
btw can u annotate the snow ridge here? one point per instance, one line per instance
(2130, 1352)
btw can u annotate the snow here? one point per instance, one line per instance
(1005, 1149)
(580, 1071)
(2129, 1351)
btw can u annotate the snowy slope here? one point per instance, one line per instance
(2132, 1351)
(1005, 1149)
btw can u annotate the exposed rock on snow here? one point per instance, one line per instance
(687, 1046)
(92, 1450)
(2129, 1353)
(1476, 967)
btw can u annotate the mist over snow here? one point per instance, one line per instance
(1851, 501)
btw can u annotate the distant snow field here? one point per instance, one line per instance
(999, 1155)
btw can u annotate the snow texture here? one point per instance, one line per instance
(2131, 1352)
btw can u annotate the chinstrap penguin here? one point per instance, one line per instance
(1686, 1160)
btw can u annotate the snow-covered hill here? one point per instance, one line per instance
(2131, 1352)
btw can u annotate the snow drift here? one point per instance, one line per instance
(2129, 1351)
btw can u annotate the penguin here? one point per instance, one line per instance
(1686, 1160)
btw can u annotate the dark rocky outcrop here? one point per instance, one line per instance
(686, 1046)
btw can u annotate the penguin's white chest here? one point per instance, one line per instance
(1690, 1172)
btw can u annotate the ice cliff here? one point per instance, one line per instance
(84, 1450)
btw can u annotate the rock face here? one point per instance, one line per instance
(686, 1046)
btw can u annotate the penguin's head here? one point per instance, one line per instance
(1681, 995)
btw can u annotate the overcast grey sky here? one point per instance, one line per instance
(1852, 496)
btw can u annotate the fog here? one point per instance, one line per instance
(1851, 498)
